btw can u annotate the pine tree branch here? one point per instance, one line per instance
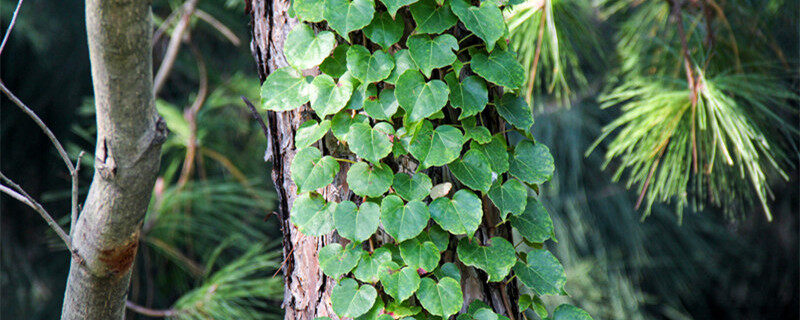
(16, 192)
(10, 26)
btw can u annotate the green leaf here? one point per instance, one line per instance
(516, 111)
(369, 181)
(400, 310)
(496, 259)
(349, 300)
(480, 134)
(432, 18)
(304, 49)
(336, 261)
(402, 62)
(439, 237)
(532, 163)
(384, 30)
(485, 21)
(412, 188)
(500, 67)
(401, 221)
(400, 284)
(495, 151)
(311, 171)
(470, 95)
(368, 143)
(510, 197)
(484, 314)
(284, 90)
(418, 98)
(448, 270)
(461, 215)
(369, 269)
(374, 313)
(441, 299)
(309, 10)
(312, 215)
(542, 273)
(420, 255)
(310, 132)
(534, 224)
(383, 108)
(393, 5)
(431, 53)
(434, 147)
(327, 96)
(570, 312)
(335, 65)
(473, 170)
(366, 67)
(357, 98)
(356, 225)
(344, 16)
(341, 122)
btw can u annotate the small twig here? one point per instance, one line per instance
(191, 118)
(10, 26)
(532, 76)
(15, 191)
(150, 312)
(283, 263)
(174, 46)
(690, 78)
(257, 116)
(221, 27)
(74, 197)
(164, 25)
(506, 301)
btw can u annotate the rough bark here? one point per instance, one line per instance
(129, 137)
(307, 290)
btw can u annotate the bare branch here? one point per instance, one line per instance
(10, 26)
(174, 46)
(74, 196)
(191, 117)
(221, 27)
(18, 193)
(149, 312)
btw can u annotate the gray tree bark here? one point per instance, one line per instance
(307, 289)
(127, 158)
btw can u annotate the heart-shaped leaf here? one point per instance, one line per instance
(534, 224)
(374, 313)
(366, 67)
(400, 284)
(432, 18)
(393, 5)
(311, 171)
(500, 67)
(473, 170)
(403, 221)
(349, 300)
(336, 261)
(422, 256)
(418, 98)
(470, 94)
(485, 21)
(344, 16)
(310, 132)
(312, 215)
(412, 188)
(402, 62)
(309, 10)
(439, 237)
(335, 65)
(448, 270)
(532, 163)
(496, 151)
(485, 314)
(369, 181)
(496, 259)
(284, 90)
(384, 30)
(327, 96)
(510, 197)
(402, 310)
(341, 122)
(371, 265)
(542, 273)
(431, 53)
(356, 224)
(434, 147)
(570, 312)
(461, 215)
(368, 143)
(441, 190)
(441, 299)
(382, 108)
(516, 111)
(304, 49)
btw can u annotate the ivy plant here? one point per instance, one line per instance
(423, 96)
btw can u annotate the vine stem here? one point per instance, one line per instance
(345, 160)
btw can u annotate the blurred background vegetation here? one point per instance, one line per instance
(698, 246)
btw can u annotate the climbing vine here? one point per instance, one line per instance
(412, 90)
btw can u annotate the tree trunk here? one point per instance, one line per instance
(307, 290)
(127, 158)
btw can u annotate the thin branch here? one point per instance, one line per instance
(10, 26)
(532, 76)
(691, 79)
(191, 117)
(221, 27)
(18, 193)
(174, 46)
(150, 312)
(74, 197)
(164, 25)
(257, 116)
